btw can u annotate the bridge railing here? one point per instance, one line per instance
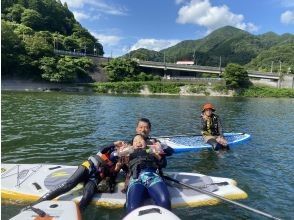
(180, 65)
(72, 53)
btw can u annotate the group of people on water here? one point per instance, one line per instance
(141, 160)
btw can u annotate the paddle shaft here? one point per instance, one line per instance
(222, 198)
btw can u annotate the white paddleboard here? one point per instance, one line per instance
(28, 182)
(55, 210)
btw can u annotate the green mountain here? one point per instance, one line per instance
(144, 54)
(32, 29)
(231, 44)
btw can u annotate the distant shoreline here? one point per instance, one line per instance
(31, 86)
(26, 85)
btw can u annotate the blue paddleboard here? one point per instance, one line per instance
(184, 143)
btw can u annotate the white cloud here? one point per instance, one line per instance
(287, 17)
(201, 12)
(99, 5)
(153, 44)
(80, 15)
(108, 40)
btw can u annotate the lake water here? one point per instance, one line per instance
(61, 128)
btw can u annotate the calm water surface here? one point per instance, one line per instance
(63, 128)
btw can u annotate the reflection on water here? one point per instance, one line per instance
(67, 128)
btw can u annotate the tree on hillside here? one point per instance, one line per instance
(236, 76)
(66, 69)
(11, 49)
(70, 43)
(23, 31)
(14, 13)
(122, 69)
(32, 19)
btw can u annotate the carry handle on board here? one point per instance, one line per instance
(148, 211)
(221, 198)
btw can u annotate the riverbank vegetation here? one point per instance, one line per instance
(262, 91)
(175, 88)
(151, 87)
(32, 31)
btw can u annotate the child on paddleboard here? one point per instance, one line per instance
(212, 128)
(144, 165)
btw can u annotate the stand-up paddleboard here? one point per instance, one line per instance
(151, 212)
(28, 182)
(183, 143)
(53, 210)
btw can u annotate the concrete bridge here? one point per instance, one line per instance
(271, 79)
(203, 69)
(262, 78)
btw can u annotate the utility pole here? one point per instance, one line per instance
(272, 66)
(194, 56)
(220, 66)
(280, 72)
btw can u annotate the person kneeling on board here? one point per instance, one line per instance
(144, 163)
(91, 172)
(212, 128)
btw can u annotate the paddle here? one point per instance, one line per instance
(221, 198)
(40, 212)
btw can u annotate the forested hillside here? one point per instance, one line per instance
(233, 46)
(32, 29)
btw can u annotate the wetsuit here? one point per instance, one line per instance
(145, 181)
(90, 172)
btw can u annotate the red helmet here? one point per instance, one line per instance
(208, 106)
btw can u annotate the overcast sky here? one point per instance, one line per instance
(127, 25)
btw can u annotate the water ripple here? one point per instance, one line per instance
(60, 128)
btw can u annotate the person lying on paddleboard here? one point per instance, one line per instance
(91, 172)
(212, 128)
(145, 180)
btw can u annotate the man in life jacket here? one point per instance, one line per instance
(91, 172)
(212, 128)
(145, 180)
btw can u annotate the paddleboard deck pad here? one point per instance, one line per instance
(28, 182)
(54, 210)
(195, 142)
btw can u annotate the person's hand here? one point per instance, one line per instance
(156, 148)
(221, 140)
(205, 118)
(119, 144)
